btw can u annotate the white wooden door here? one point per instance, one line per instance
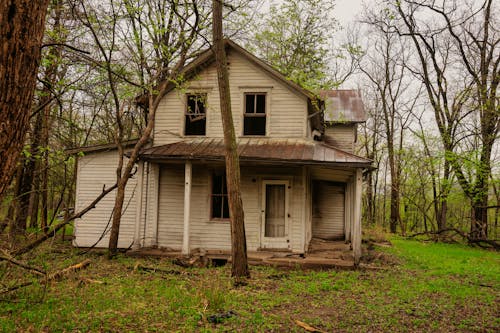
(275, 214)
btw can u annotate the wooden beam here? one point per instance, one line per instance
(305, 206)
(187, 206)
(348, 210)
(155, 183)
(356, 232)
(138, 206)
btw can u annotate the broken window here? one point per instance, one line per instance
(254, 122)
(220, 204)
(196, 117)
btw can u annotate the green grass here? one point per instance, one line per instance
(435, 287)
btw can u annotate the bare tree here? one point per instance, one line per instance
(238, 240)
(385, 70)
(453, 39)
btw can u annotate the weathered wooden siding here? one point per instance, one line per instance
(170, 206)
(287, 111)
(94, 171)
(341, 136)
(333, 175)
(211, 234)
(328, 210)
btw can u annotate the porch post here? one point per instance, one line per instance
(348, 210)
(356, 232)
(187, 206)
(155, 183)
(138, 207)
(305, 206)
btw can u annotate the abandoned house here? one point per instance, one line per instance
(300, 179)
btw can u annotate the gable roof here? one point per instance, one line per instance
(207, 57)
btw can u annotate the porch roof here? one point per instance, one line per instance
(261, 150)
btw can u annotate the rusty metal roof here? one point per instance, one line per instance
(344, 106)
(261, 150)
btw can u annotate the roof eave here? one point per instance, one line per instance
(158, 158)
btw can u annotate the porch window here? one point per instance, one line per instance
(254, 122)
(195, 114)
(220, 204)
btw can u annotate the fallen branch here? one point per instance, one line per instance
(139, 267)
(7, 257)
(69, 269)
(186, 262)
(308, 327)
(51, 277)
(53, 231)
(468, 238)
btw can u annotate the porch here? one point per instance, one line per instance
(322, 254)
(293, 191)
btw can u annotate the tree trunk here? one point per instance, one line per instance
(35, 187)
(238, 238)
(45, 169)
(23, 196)
(22, 24)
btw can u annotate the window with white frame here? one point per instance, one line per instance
(254, 116)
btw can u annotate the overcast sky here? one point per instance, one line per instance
(346, 10)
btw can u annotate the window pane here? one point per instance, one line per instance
(224, 185)
(217, 183)
(195, 125)
(196, 104)
(200, 101)
(261, 103)
(226, 207)
(191, 104)
(254, 126)
(217, 206)
(220, 207)
(249, 103)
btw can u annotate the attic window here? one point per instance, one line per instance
(196, 117)
(254, 122)
(219, 204)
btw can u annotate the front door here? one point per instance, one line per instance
(275, 214)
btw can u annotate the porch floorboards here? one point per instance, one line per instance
(322, 254)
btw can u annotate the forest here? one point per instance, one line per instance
(78, 73)
(428, 73)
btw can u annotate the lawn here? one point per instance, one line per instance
(417, 287)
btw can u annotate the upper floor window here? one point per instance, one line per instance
(254, 118)
(195, 114)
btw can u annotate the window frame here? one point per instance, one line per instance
(255, 114)
(222, 174)
(186, 112)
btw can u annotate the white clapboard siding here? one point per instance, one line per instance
(341, 136)
(328, 210)
(96, 170)
(212, 234)
(170, 206)
(287, 111)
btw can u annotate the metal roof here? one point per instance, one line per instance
(100, 147)
(344, 106)
(262, 150)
